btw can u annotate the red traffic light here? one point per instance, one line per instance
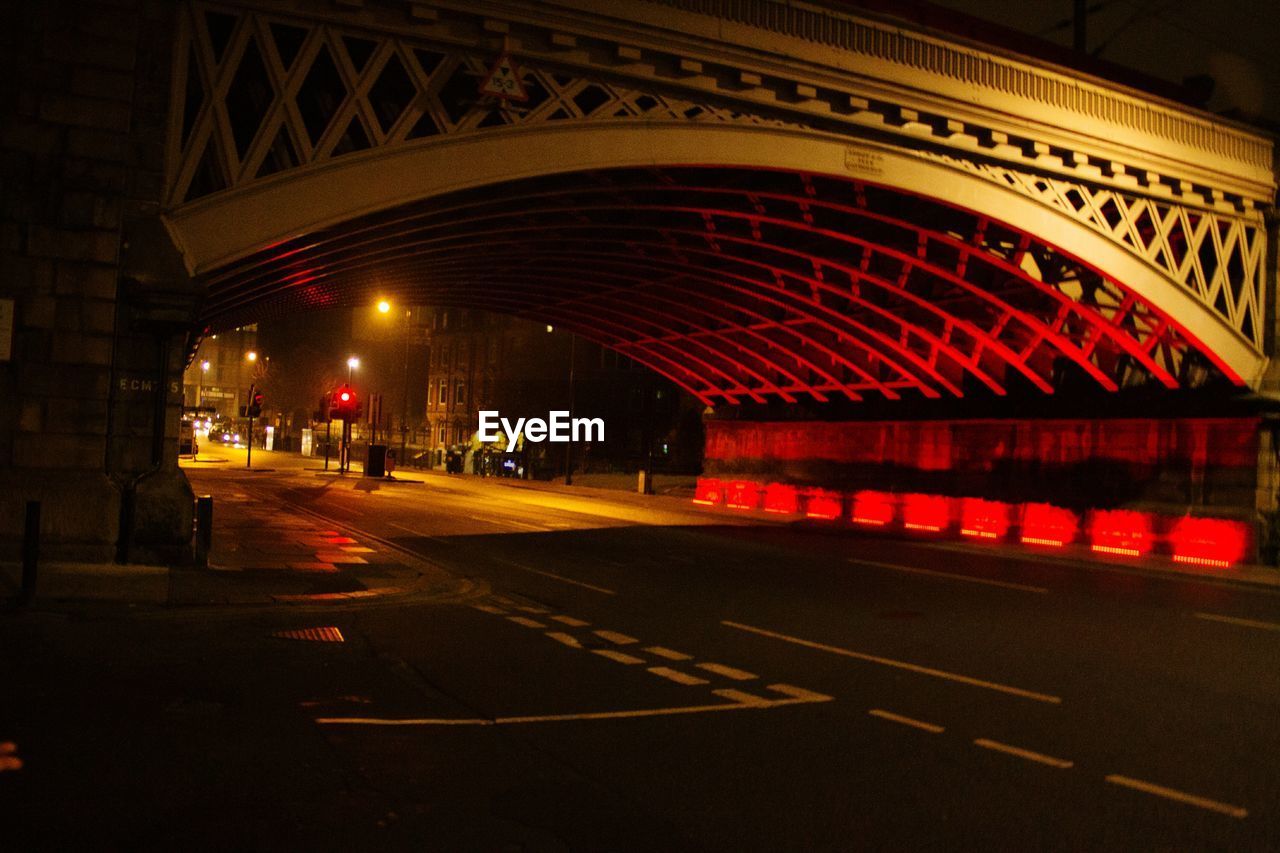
(344, 403)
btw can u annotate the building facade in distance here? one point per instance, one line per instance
(485, 361)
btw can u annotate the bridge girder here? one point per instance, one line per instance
(743, 284)
(286, 126)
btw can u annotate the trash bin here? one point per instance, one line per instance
(376, 463)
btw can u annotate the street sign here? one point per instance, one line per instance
(503, 81)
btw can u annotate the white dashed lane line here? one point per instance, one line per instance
(906, 721)
(727, 671)
(677, 676)
(570, 621)
(568, 639)
(669, 654)
(616, 638)
(898, 664)
(1038, 757)
(526, 622)
(1178, 796)
(620, 657)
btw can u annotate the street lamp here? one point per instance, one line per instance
(204, 368)
(352, 364)
(384, 307)
(251, 356)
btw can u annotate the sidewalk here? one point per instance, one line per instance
(260, 556)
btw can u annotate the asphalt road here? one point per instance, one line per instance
(639, 674)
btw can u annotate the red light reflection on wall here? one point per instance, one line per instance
(708, 492)
(872, 508)
(779, 497)
(983, 519)
(926, 513)
(742, 494)
(1214, 542)
(1046, 524)
(1120, 531)
(822, 503)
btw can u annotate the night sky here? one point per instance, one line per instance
(1237, 42)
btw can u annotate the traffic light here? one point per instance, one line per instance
(255, 404)
(345, 405)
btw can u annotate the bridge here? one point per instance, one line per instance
(782, 207)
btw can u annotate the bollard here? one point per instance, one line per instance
(30, 552)
(204, 530)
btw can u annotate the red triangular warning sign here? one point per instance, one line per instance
(503, 81)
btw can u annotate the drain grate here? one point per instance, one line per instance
(327, 634)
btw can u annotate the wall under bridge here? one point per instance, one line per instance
(1222, 467)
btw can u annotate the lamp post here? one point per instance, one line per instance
(352, 364)
(384, 307)
(204, 368)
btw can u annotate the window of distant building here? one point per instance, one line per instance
(444, 392)
(460, 394)
(442, 433)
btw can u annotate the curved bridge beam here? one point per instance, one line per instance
(225, 230)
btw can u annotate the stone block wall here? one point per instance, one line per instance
(82, 122)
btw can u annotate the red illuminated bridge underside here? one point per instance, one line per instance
(744, 285)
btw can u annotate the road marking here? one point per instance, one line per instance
(570, 621)
(508, 521)
(728, 671)
(906, 721)
(1235, 620)
(740, 696)
(339, 558)
(418, 533)
(807, 698)
(525, 621)
(676, 676)
(567, 639)
(1037, 757)
(1179, 796)
(898, 664)
(799, 693)
(326, 634)
(489, 608)
(620, 657)
(555, 576)
(616, 638)
(912, 570)
(669, 654)
(527, 609)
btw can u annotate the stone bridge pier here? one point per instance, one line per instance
(102, 304)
